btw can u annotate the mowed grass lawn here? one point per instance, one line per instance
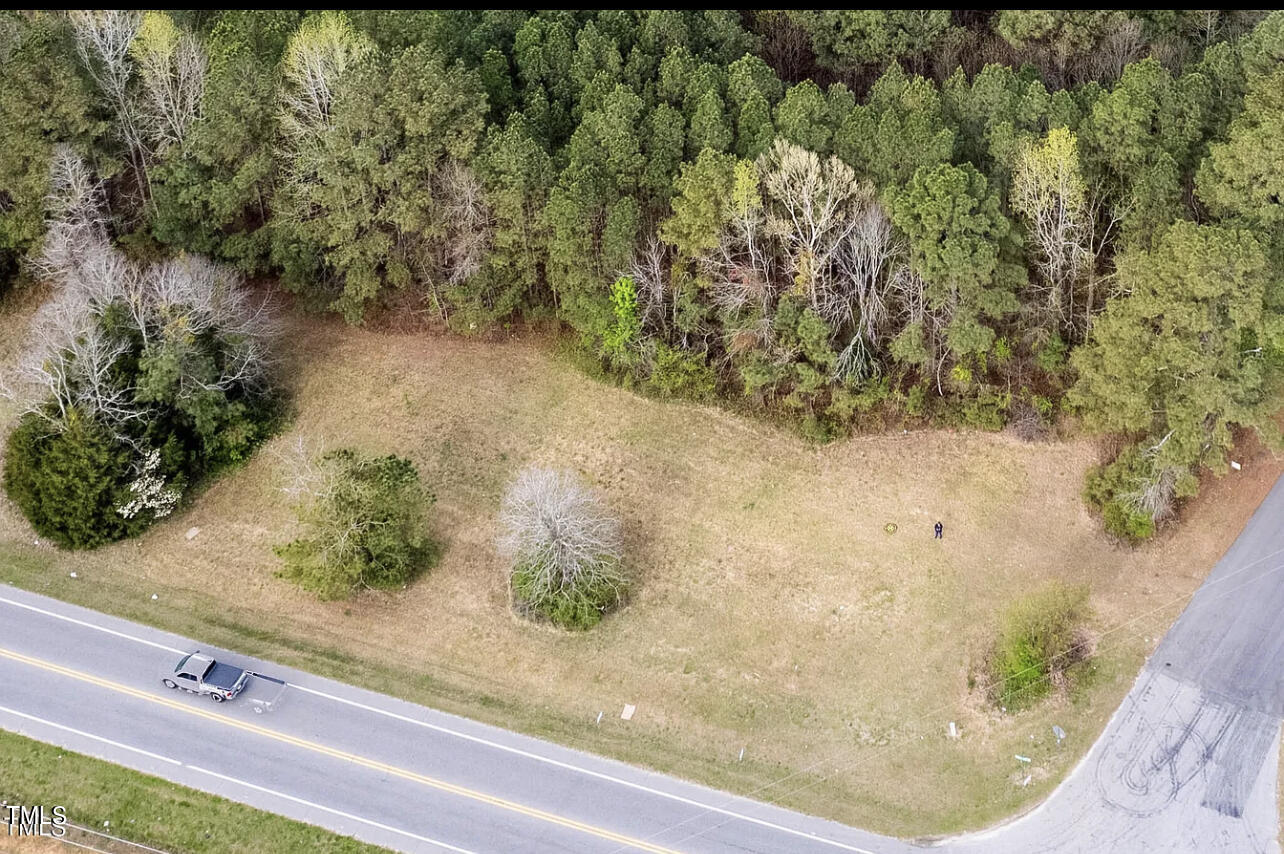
(772, 612)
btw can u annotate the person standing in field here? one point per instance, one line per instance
(940, 531)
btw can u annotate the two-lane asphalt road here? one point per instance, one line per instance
(364, 764)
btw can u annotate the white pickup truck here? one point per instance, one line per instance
(201, 674)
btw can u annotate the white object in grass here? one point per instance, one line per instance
(629, 709)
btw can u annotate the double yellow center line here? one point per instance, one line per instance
(431, 782)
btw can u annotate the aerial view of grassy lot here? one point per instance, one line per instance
(789, 599)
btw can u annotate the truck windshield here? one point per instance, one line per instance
(178, 667)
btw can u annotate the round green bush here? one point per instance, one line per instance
(69, 484)
(1041, 636)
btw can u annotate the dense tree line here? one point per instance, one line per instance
(843, 216)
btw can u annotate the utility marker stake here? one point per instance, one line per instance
(742, 755)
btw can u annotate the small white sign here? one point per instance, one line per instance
(629, 709)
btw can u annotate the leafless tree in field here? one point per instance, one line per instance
(190, 296)
(560, 533)
(1155, 493)
(301, 478)
(66, 370)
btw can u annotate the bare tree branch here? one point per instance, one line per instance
(560, 534)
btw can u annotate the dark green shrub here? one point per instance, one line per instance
(1126, 523)
(676, 373)
(1051, 356)
(985, 410)
(1041, 636)
(364, 522)
(576, 607)
(1106, 489)
(70, 484)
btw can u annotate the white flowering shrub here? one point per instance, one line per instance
(149, 491)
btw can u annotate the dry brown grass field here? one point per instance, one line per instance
(771, 609)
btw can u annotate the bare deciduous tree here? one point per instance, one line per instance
(808, 224)
(172, 68)
(320, 52)
(1125, 43)
(1049, 190)
(103, 39)
(740, 269)
(69, 363)
(469, 226)
(811, 210)
(649, 273)
(564, 546)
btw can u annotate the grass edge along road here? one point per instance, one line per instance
(149, 810)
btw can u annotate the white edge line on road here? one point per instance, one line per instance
(92, 626)
(589, 772)
(147, 753)
(488, 743)
(443, 845)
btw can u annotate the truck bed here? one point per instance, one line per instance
(223, 675)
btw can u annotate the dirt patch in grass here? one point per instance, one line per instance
(772, 610)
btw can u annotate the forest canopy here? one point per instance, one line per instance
(846, 218)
